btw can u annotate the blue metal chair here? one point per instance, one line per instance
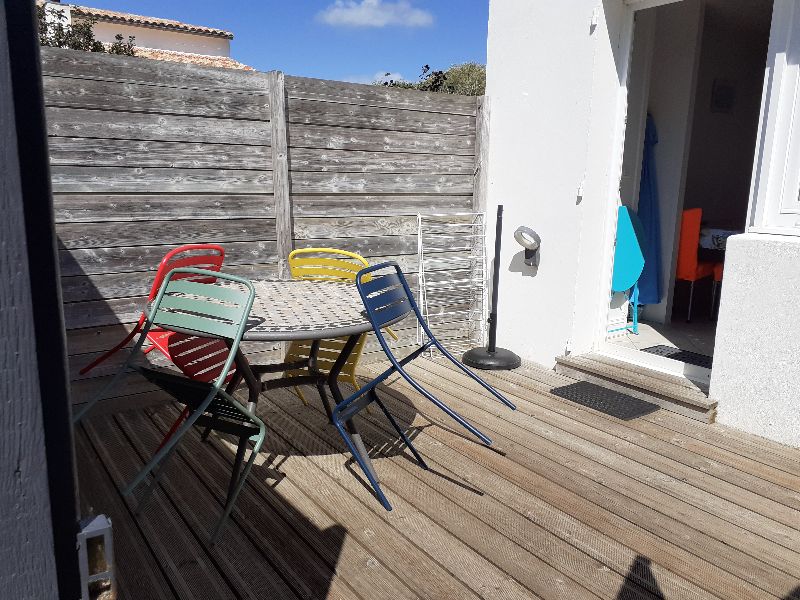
(388, 299)
(628, 262)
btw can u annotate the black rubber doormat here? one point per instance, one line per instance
(690, 358)
(605, 400)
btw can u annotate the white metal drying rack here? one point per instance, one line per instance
(464, 235)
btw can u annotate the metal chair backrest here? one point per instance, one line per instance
(191, 301)
(208, 257)
(325, 264)
(689, 242)
(387, 298)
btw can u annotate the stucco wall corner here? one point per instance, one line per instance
(756, 374)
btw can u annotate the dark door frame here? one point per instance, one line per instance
(49, 339)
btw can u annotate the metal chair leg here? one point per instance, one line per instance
(713, 297)
(361, 463)
(449, 411)
(159, 472)
(398, 429)
(691, 297)
(232, 495)
(237, 467)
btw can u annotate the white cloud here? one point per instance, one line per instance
(374, 13)
(380, 77)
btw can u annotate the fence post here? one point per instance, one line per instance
(280, 170)
(481, 181)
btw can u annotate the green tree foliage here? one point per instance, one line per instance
(55, 31)
(468, 79)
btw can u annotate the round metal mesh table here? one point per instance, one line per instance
(297, 309)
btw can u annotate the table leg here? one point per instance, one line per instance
(253, 384)
(333, 384)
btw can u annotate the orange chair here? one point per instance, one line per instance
(689, 267)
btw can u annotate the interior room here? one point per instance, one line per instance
(694, 95)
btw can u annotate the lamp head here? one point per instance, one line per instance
(530, 240)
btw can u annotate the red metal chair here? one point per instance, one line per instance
(198, 358)
(201, 256)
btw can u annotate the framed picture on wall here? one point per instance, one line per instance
(723, 96)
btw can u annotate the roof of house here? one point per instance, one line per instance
(224, 62)
(111, 16)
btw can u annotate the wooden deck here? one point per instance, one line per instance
(570, 502)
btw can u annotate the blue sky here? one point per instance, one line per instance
(352, 40)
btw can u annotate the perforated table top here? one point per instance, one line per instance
(297, 309)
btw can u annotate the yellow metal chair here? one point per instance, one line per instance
(327, 264)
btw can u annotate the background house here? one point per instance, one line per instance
(157, 38)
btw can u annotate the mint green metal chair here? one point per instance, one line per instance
(210, 310)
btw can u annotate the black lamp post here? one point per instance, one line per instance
(492, 357)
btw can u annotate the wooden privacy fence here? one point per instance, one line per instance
(147, 155)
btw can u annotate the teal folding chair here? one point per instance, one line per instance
(203, 309)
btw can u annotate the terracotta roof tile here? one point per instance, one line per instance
(112, 16)
(223, 62)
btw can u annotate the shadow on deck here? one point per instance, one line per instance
(569, 502)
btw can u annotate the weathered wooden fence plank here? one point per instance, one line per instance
(370, 95)
(134, 97)
(346, 138)
(101, 235)
(380, 183)
(148, 153)
(97, 208)
(355, 161)
(280, 166)
(70, 179)
(341, 205)
(83, 65)
(93, 261)
(311, 112)
(78, 122)
(80, 288)
(481, 185)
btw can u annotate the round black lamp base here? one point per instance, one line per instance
(499, 360)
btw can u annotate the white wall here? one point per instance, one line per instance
(675, 62)
(161, 39)
(151, 37)
(553, 82)
(756, 368)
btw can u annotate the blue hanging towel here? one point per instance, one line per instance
(650, 281)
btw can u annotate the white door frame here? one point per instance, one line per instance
(775, 190)
(601, 345)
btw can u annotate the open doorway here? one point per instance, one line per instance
(694, 97)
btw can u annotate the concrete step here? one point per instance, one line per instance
(671, 392)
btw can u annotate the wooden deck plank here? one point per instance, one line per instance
(711, 524)
(251, 577)
(571, 503)
(619, 562)
(532, 452)
(471, 489)
(353, 566)
(692, 447)
(193, 573)
(769, 483)
(526, 568)
(740, 506)
(409, 520)
(130, 545)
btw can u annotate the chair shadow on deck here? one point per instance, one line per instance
(610, 402)
(318, 437)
